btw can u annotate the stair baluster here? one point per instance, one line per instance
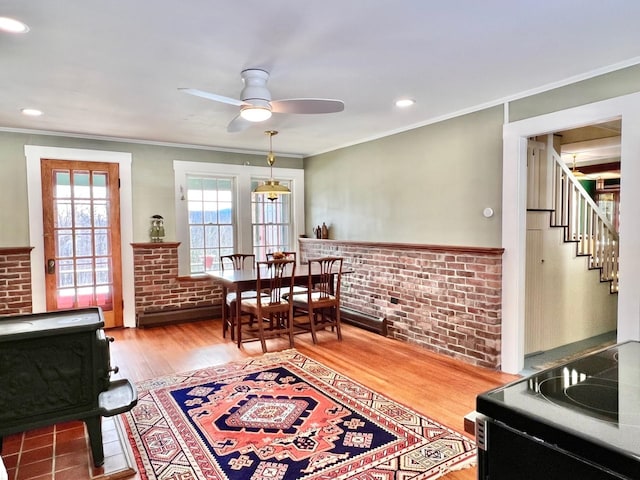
(584, 223)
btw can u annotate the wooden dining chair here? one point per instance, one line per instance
(272, 308)
(321, 301)
(235, 261)
(288, 256)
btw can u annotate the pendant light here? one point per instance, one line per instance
(271, 187)
(574, 170)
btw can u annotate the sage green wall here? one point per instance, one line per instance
(602, 87)
(428, 185)
(151, 170)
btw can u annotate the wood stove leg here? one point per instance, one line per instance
(94, 427)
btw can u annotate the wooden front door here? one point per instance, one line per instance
(81, 212)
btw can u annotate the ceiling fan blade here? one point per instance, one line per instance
(212, 96)
(238, 124)
(307, 105)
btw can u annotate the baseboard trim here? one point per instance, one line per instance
(368, 322)
(179, 315)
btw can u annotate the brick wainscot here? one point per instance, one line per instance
(445, 298)
(164, 297)
(16, 296)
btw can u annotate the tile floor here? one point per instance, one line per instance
(541, 358)
(62, 452)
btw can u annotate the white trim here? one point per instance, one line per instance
(514, 187)
(102, 138)
(241, 175)
(34, 154)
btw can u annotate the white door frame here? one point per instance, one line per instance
(34, 154)
(514, 196)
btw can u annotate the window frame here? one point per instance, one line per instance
(241, 175)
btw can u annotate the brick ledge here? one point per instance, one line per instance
(409, 246)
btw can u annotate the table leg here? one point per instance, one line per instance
(225, 313)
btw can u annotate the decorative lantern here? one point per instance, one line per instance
(156, 232)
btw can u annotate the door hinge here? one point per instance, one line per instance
(118, 182)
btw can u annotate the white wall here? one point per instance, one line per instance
(566, 301)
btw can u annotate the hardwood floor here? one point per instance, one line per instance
(437, 386)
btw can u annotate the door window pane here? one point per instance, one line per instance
(64, 243)
(100, 213)
(99, 185)
(101, 237)
(81, 186)
(62, 216)
(84, 243)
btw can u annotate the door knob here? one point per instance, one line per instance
(51, 266)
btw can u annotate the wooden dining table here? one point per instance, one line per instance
(244, 280)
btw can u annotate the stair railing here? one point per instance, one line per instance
(584, 223)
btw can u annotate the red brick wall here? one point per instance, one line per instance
(447, 299)
(15, 281)
(157, 285)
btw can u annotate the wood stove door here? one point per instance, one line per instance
(81, 212)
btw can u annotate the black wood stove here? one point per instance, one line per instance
(578, 420)
(55, 367)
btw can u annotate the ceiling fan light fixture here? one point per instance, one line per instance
(255, 114)
(256, 111)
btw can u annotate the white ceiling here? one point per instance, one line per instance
(112, 68)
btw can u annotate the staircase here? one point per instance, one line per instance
(573, 209)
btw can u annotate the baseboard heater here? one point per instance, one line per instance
(177, 315)
(363, 320)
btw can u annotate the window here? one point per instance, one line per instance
(271, 223)
(210, 218)
(216, 213)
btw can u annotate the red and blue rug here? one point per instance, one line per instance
(283, 417)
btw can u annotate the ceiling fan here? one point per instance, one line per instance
(256, 105)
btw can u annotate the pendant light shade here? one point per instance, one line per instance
(271, 187)
(574, 170)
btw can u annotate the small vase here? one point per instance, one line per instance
(324, 231)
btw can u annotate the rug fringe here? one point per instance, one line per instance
(463, 465)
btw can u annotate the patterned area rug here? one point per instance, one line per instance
(283, 417)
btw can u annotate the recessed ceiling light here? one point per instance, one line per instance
(32, 112)
(12, 25)
(405, 102)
